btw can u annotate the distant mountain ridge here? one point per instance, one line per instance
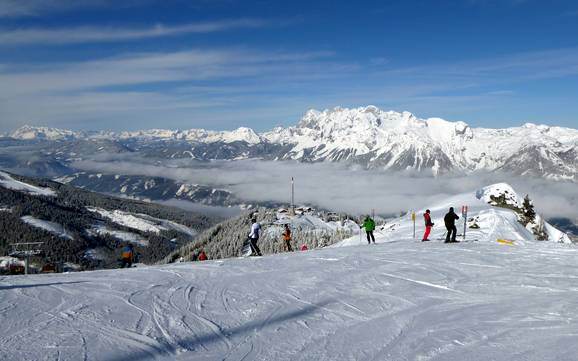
(367, 136)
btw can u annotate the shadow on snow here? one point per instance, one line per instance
(10, 287)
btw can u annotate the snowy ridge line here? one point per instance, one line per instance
(8, 182)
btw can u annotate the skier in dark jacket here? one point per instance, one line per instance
(428, 225)
(369, 225)
(450, 221)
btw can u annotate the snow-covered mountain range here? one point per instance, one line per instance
(368, 136)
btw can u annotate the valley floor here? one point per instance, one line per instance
(400, 300)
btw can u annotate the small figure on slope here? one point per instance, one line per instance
(450, 221)
(254, 236)
(287, 238)
(428, 225)
(202, 256)
(127, 256)
(369, 226)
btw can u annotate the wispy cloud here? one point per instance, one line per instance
(536, 65)
(175, 81)
(21, 8)
(104, 34)
(243, 85)
(157, 68)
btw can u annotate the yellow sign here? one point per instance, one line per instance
(505, 241)
(413, 216)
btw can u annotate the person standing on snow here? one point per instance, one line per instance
(254, 236)
(202, 256)
(428, 225)
(369, 226)
(287, 238)
(450, 221)
(127, 256)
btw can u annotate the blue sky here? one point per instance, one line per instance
(221, 64)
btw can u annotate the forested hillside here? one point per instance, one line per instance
(88, 229)
(226, 239)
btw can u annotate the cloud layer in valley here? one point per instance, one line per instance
(336, 186)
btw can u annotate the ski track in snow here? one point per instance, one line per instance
(391, 301)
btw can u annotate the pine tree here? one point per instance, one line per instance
(528, 210)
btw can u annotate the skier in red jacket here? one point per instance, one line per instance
(428, 225)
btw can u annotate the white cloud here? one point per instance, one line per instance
(337, 186)
(104, 34)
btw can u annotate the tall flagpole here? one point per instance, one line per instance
(292, 196)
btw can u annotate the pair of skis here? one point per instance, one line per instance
(247, 249)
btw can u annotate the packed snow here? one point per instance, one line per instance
(8, 182)
(51, 227)
(399, 300)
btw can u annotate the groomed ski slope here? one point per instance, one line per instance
(401, 300)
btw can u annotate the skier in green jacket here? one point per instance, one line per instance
(369, 225)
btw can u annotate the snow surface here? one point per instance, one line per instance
(401, 300)
(129, 220)
(8, 182)
(51, 227)
(141, 222)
